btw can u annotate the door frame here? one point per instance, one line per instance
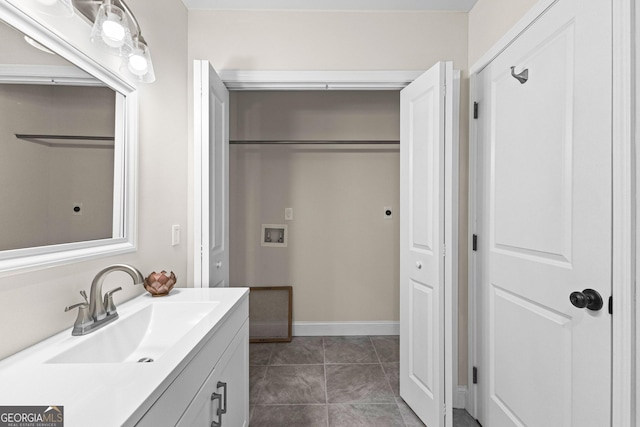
(624, 215)
(238, 80)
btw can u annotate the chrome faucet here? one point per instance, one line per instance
(100, 311)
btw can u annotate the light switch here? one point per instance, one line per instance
(288, 214)
(175, 235)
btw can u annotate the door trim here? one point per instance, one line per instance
(474, 267)
(623, 215)
(197, 179)
(317, 80)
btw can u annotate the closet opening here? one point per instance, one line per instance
(284, 148)
(326, 164)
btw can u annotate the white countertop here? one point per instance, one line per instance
(109, 394)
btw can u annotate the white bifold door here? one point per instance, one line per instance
(428, 163)
(545, 239)
(211, 178)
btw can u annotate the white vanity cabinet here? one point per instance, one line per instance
(196, 338)
(221, 366)
(223, 399)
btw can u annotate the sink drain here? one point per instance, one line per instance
(145, 360)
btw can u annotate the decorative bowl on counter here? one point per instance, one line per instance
(159, 284)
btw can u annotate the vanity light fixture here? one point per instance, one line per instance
(116, 30)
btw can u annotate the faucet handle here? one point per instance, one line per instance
(80, 304)
(83, 320)
(84, 295)
(109, 306)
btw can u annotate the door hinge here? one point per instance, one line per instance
(444, 250)
(611, 305)
(475, 375)
(475, 110)
(474, 244)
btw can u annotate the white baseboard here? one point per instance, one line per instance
(345, 328)
(460, 397)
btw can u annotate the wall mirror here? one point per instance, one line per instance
(67, 151)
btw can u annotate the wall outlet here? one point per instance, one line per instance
(388, 212)
(288, 214)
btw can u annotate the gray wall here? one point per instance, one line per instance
(342, 257)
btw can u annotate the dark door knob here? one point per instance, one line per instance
(588, 298)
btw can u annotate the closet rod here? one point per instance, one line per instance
(314, 142)
(69, 137)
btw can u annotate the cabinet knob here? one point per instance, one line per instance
(418, 265)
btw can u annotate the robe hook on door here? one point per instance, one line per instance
(521, 77)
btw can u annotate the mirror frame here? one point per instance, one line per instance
(55, 33)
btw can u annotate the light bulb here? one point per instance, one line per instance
(113, 32)
(138, 64)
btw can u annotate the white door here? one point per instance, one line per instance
(545, 149)
(425, 135)
(211, 181)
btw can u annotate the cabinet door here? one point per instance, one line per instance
(230, 381)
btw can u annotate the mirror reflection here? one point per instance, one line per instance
(57, 127)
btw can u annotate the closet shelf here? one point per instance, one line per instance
(84, 141)
(314, 142)
(67, 137)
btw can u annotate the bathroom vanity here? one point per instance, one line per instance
(176, 360)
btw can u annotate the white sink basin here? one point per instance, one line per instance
(147, 333)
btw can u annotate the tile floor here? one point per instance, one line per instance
(330, 381)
